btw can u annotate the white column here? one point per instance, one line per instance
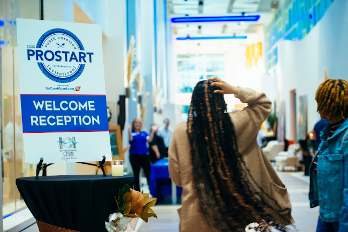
(170, 62)
(145, 49)
(161, 44)
(131, 104)
(132, 17)
(163, 47)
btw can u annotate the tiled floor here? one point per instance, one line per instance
(167, 221)
(298, 187)
(306, 218)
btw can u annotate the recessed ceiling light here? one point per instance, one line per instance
(236, 18)
(211, 37)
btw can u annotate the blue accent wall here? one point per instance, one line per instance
(294, 21)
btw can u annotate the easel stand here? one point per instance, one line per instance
(42, 166)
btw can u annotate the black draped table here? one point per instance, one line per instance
(80, 202)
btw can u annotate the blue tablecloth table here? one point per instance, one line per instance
(159, 171)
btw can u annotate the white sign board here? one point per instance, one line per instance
(62, 89)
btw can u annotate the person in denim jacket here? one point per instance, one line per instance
(329, 168)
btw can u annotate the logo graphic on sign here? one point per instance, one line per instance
(77, 88)
(67, 143)
(60, 55)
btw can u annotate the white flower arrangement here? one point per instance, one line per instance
(117, 222)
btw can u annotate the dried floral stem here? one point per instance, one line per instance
(130, 60)
(143, 109)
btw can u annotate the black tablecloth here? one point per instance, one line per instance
(80, 203)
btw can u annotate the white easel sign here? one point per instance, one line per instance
(62, 90)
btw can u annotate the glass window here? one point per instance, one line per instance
(12, 155)
(215, 63)
(193, 68)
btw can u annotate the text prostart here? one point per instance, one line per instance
(65, 56)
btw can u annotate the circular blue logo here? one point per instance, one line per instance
(60, 55)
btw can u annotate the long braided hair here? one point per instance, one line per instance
(332, 99)
(229, 197)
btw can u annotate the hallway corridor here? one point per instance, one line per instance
(306, 218)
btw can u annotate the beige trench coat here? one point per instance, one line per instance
(247, 123)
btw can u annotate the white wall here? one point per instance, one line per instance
(269, 83)
(98, 11)
(298, 69)
(114, 49)
(53, 10)
(301, 63)
(29, 9)
(111, 16)
(333, 40)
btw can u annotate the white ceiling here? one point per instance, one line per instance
(181, 8)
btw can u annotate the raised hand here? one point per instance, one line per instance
(225, 87)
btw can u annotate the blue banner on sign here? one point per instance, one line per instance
(64, 113)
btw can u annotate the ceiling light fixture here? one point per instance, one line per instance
(236, 18)
(211, 37)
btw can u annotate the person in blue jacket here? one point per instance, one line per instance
(138, 151)
(329, 168)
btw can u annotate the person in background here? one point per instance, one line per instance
(260, 138)
(318, 127)
(329, 168)
(138, 151)
(166, 133)
(227, 181)
(306, 156)
(157, 148)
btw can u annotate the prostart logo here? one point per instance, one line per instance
(60, 55)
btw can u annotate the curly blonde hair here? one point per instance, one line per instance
(332, 99)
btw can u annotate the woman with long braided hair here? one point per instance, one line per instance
(227, 181)
(329, 168)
